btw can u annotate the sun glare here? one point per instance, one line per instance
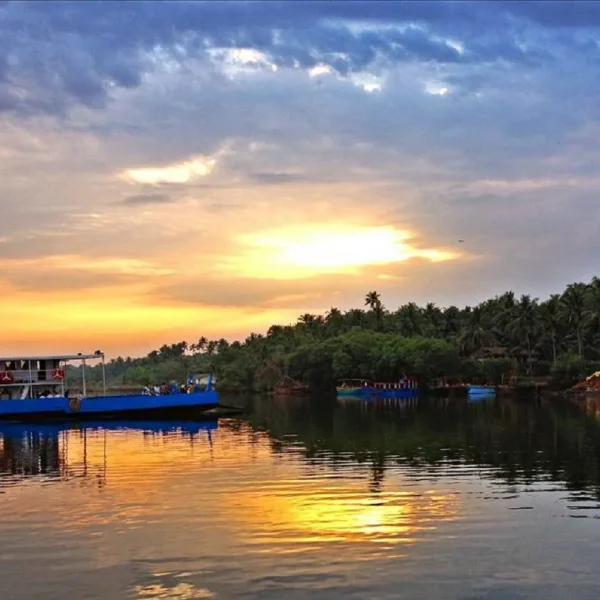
(293, 253)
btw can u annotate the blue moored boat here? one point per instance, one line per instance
(34, 387)
(481, 391)
(363, 388)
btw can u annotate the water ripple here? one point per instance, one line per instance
(333, 502)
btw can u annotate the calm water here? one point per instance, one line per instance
(308, 499)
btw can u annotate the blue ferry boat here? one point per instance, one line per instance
(363, 388)
(34, 387)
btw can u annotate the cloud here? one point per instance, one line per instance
(278, 178)
(143, 199)
(183, 172)
(101, 47)
(242, 139)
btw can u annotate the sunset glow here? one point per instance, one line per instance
(208, 171)
(304, 252)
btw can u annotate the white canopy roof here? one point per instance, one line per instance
(64, 357)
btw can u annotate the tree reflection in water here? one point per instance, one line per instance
(523, 441)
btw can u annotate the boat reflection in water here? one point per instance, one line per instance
(406, 387)
(30, 450)
(308, 498)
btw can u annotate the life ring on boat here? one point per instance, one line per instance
(75, 403)
(6, 377)
(58, 374)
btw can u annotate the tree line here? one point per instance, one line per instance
(503, 339)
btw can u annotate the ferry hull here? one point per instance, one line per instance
(109, 406)
(367, 392)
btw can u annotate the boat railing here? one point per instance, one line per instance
(35, 376)
(407, 384)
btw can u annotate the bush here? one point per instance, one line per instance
(569, 369)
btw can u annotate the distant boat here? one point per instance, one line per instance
(290, 387)
(480, 391)
(363, 388)
(34, 387)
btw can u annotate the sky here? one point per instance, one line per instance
(176, 170)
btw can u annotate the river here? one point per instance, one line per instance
(311, 498)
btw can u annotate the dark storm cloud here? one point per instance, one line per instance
(54, 54)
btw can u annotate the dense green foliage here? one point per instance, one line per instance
(501, 339)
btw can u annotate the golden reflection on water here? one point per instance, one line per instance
(186, 507)
(233, 512)
(343, 514)
(270, 505)
(180, 591)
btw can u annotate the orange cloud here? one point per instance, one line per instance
(130, 278)
(115, 318)
(246, 282)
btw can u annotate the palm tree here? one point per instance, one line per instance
(550, 314)
(200, 345)
(373, 301)
(525, 323)
(434, 318)
(355, 317)
(334, 320)
(306, 319)
(593, 303)
(476, 334)
(573, 301)
(451, 322)
(222, 346)
(502, 310)
(409, 319)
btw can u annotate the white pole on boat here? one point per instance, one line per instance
(103, 377)
(83, 378)
(30, 390)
